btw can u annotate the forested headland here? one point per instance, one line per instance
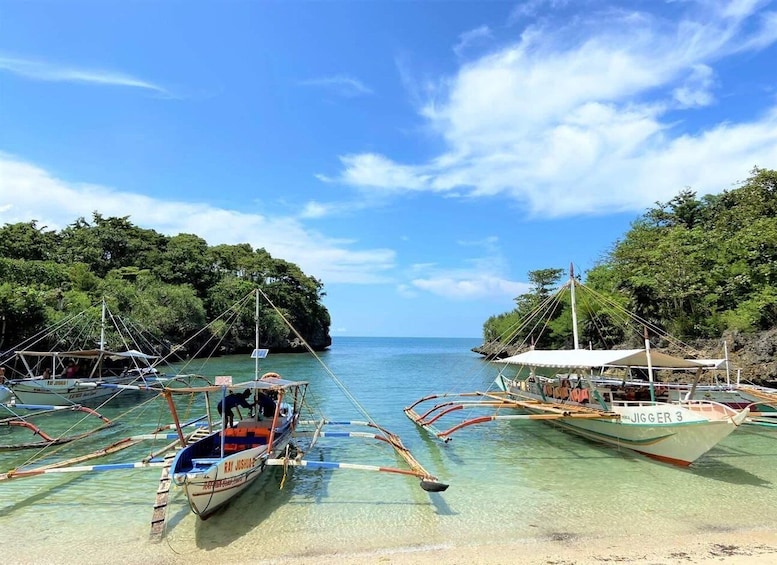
(702, 269)
(170, 286)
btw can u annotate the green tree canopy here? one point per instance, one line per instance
(173, 286)
(694, 267)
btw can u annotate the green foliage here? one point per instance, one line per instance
(25, 240)
(20, 307)
(33, 272)
(758, 312)
(185, 260)
(692, 267)
(171, 286)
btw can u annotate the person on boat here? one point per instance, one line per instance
(266, 405)
(72, 370)
(233, 400)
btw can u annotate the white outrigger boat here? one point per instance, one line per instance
(69, 377)
(761, 401)
(676, 432)
(91, 388)
(219, 466)
(569, 389)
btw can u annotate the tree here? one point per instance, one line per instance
(170, 285)
(25, 240)
(186, 260)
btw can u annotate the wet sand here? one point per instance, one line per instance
(726, 548)
(723, 548)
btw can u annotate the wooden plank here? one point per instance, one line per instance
(159, 515)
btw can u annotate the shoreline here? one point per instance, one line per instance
(727, 548)
(722, 545)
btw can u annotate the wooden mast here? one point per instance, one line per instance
(574, 306)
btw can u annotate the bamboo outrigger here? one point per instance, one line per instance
(24, 421)
(498, 401)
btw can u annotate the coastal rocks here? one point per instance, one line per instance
(756, 354)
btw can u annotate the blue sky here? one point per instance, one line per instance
(420, 158)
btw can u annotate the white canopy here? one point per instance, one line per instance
(263, 384)
(588, 358)
(715, 363)
(90, 354)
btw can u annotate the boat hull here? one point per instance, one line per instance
(671, 443)
(65, 392)
(212, 482)
(208, 491)
(677, 433)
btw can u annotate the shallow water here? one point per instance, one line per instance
(517, 480)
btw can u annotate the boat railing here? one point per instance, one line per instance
(701, 406)
(707, 407)
(632, 403)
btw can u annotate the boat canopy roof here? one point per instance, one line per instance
(590, 358)
(715, 363)
(90, 354)
(263, 384)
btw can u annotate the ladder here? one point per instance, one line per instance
(163, 491)
(160, 505)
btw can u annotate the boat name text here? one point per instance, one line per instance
(653, 417)
(238, 464)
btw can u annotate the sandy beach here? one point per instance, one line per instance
(751, 547)
(727, 548)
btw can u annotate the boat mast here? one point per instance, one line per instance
(256, 336)
(574, 307)
(97, 370)
(102, 327)
(649, 366)
(728, 372)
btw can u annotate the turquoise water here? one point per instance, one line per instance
(509, 480)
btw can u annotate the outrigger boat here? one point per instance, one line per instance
(221, 465)
(91, 388)
(57, 378)
(761, 401)
(216, 462)
(565, 388)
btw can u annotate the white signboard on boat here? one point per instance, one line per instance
(225, 380)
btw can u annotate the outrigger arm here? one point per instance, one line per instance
(429, 482)
(498, 400)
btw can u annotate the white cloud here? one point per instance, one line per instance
(575, 119)
(763, 36)
(482, 277)
(342, 85)
(39, 70)
(380, 172)
(471, 288)
(468, 38)
(28, 192)
(533, 8)
(696, 89)
(315, 210)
